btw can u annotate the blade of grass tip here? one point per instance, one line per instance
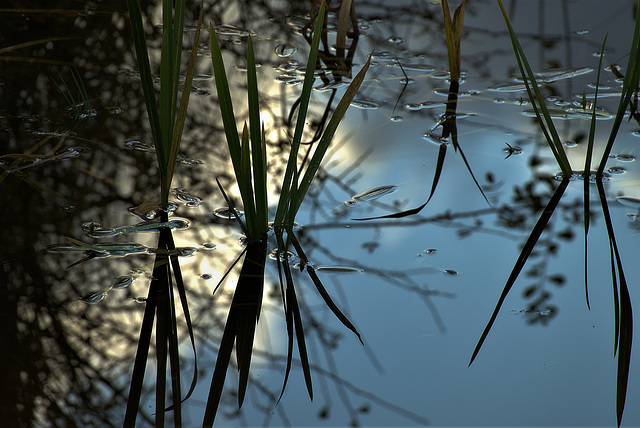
(329, 132)
(522, 259)
(612, 250)
(184, 101)
(537, 99)
(442, 152)
(624, 315)
(305, 95)
(226, 273)
(629, 86)
(224, 100)
(176, 48)
(220, 371)
(258, 160)
(323, 292)
(625, 344)
(146, 79)
(232, 208)
(587, 174)
(292, 301)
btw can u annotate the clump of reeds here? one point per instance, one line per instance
(248, 156)
(166, 119)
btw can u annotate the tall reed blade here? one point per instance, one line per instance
(587, 176)
(522, 259)
(623, 310)
(305, 96)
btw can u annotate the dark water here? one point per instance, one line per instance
(77, 158)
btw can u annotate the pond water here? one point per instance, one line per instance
(77, 160)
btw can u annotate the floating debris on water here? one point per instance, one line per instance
(572, 113)
(123, 282)
(189, 199)
(188, 161)
(275, 253)
(555, 75)
(579, 175)
(337, 269)
(629, 201)
(331, 85)
(38, 160)
(98, 250)
(226, 213)
(625, 158)
(232, 30)
(285, 50)
(512, 150)
(365, 104)
(139, 145)
(94, 297)
(616, 170)
(147, 210)
(424, 105)
(395, 40)
(95, 230)
(374, 193)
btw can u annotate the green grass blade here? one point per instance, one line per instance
(220, 371)
(537, 100)
(307, 86)
(175, 264)
(327, 136)
(247, 191)
(629, 86)
(586, 177)
(184, 101)
(522, 259)
(258, 152)
(146, 79)
(226, 106)
(292, 303)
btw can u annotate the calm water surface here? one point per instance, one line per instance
(77, 159)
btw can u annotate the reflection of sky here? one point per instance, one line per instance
(561, 375)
